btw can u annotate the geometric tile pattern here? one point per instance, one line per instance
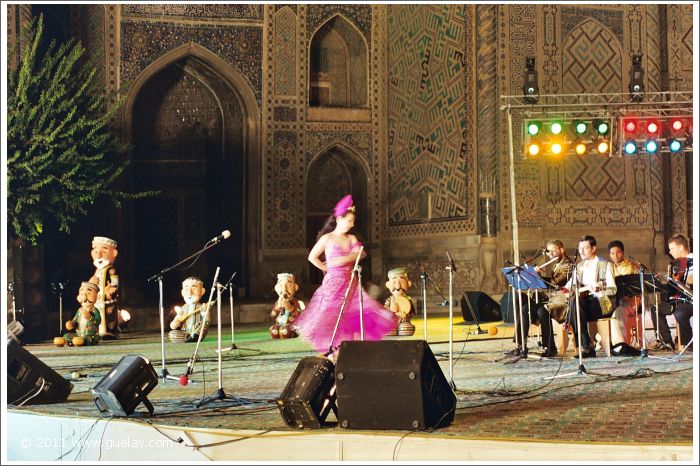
(426, 115)
(285, 52)
(143, 42)
(188, 12)
(359, 15)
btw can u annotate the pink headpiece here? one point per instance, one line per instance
(344, 206)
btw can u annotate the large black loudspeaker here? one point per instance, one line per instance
(309, 395)
(392, 385)
(125, 386)
(485, 308)
(30, 381)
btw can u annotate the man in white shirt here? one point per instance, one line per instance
(597, 289)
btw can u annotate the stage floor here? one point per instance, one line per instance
(620, 401)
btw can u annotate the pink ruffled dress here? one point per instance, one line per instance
(318, 320)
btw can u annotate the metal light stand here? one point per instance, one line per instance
(165, 375)
(449, 269)
(331, 349)
(233, 347)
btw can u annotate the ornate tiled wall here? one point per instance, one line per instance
(584, 49)
(430, 146)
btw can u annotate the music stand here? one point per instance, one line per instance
(522, 277)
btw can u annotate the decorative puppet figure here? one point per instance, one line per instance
(104, 253)
(86, 323)
(399, 302)
(287, 307)
(193, 317)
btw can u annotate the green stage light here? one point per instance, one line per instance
(602, 127)
(556, 128)
(533, 128)
(580, 127)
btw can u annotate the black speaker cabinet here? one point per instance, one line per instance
(25, 376)
(392, 385)
(125, 386)
(486, 309)
(309, 395)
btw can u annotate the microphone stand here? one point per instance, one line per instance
(190, 363)
(423, 278)
(450, 269)
(219, 394)
(165, 375)
(581, 368)
(331, 349)
(478, 330)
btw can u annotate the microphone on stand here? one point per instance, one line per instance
(224, 235)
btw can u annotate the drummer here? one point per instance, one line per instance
(626, 309)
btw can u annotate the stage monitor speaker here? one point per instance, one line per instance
(125, 386)
(30, 381)
(392, 385)
(486, 309)
(507, 314)
(309, 395)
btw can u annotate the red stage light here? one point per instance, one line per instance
(630, 126)
(676, 124)
(652, 127)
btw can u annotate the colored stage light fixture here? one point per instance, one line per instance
(651, 146)
(675, 145)
(533, 149)
(676, 124)
(556, 148)
(580, 127)
(533, 128)
(630, 126)
(580, 148)
(602, 127)
(603, 147)
(556, 128)
(652, 127)
(630, 148)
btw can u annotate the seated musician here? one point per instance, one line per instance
(681, 272)
(596, 288)
(626, 305)
(556, 274)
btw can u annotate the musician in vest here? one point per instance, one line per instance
(104, 253)
(555, 273)
(193, 316)
(596, 289)
(626, 309)
(680, 291)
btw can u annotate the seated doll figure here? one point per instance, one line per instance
(399, 302)
(287, 307)
(193, 317)
(86, 322)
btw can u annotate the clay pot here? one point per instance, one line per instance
(78, 341)
(59, 341)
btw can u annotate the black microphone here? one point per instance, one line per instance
(452, 263)
(224, 235)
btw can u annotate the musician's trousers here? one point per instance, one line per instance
(590, 311)
(537, 313)
(682, 312)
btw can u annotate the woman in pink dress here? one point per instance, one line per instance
(318, 320)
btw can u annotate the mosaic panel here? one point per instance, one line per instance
(571, 17)
(286, 198)
(142, 43)
(377, 101)
(317, 142)
(285, 114)
(285, 53)
(194, 11)
(93, 34)
(427, 115)
(359, 15)
(517, 30)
